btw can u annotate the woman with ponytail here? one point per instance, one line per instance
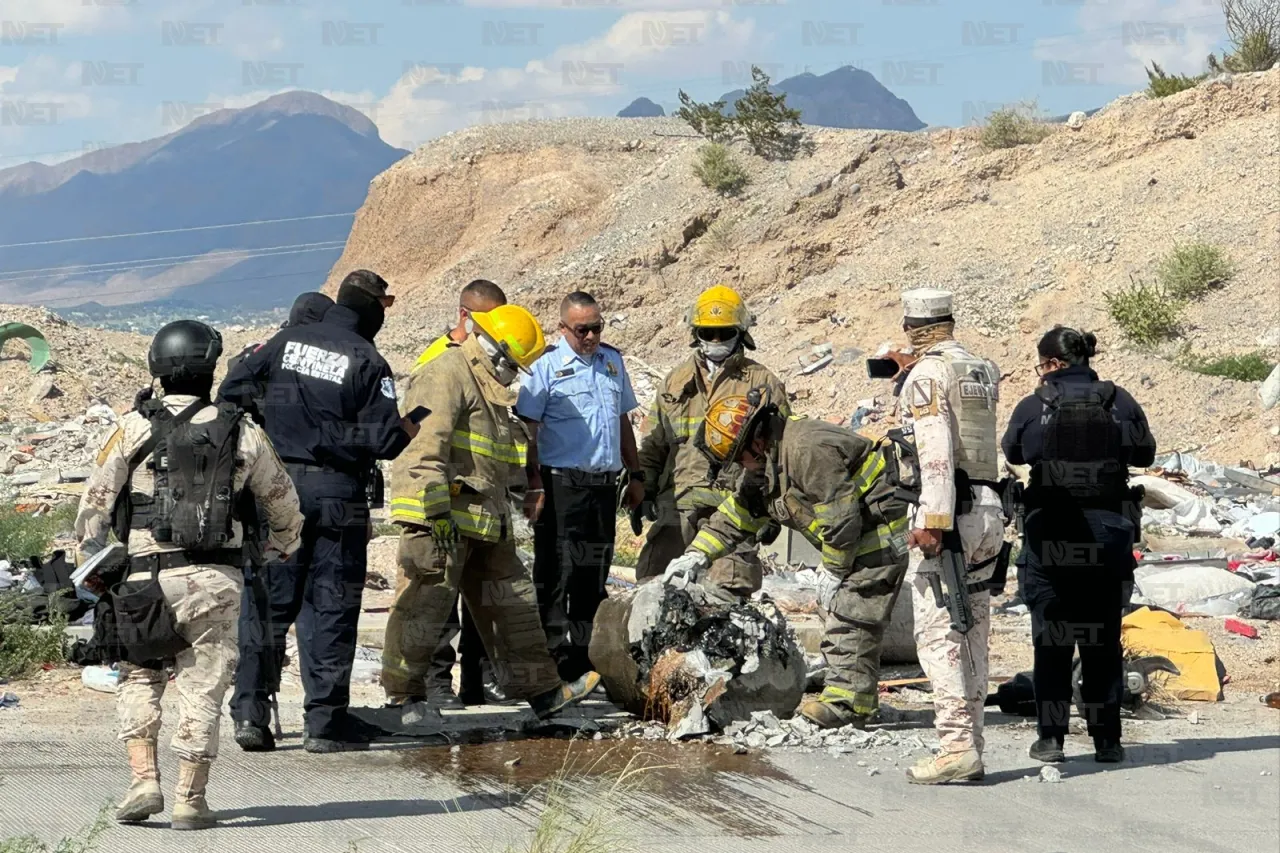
(1079, 435)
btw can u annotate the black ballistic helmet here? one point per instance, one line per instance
(184, 349)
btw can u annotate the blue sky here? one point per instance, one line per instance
(80, 74)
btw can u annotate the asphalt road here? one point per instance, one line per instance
(1213, 786)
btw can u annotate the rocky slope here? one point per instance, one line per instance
(822, 246)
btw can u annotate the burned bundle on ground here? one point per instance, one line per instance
(693, 662)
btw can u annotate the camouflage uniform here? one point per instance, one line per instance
(829, 484)
(205, 599)
(948, 402)
(464, 461)
(677, 474)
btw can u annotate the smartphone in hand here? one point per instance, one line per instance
(418, 414)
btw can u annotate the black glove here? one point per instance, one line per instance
(769, 532)
(143, 396)
(648, 508)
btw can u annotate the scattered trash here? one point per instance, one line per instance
(9, 700)
(104, 679)
(1265, 773)
(515, 762)
(817, 365)
(1271, 700)
(1235, 626)
(1194, 588)
(874, 771)
(1050, 774)
(1167, 504)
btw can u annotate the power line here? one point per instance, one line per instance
(153, 266)
(47, 300)
(105, 266)
(1104, 34)
(175, 230)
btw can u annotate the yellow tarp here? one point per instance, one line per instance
(1154, 632)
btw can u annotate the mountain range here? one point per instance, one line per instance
(294, 155)
(846, 97)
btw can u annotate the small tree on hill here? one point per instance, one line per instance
(763, 118)
(706, 120)
(1160, 84)
(1254, 29)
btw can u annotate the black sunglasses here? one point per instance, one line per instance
(717, 333)
(584, 330)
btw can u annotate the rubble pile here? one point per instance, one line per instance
(48, 460)
(764, 730)
(680, 657)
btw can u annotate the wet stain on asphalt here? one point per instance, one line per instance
(654, 783)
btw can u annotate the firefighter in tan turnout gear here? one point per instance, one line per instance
(835, 488)
(948, 402)
(179, 531)
(679, 496)
(450, 495)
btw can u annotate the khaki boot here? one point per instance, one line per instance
(144, 797)
(191, 811)
(831, 715)
(963, 766)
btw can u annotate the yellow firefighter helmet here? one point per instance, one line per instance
(721, 307)
(729, 422)
(515, 331)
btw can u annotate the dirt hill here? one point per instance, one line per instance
(822, 245)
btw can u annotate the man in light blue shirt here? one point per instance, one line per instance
(576, 404)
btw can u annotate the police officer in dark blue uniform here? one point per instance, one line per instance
(1079, 435)
(328, 402)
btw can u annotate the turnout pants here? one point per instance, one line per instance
(497, 590)
(956, 664)
(320, 587)
(573, 548)
(460, 625)
(1072, 583)
(854, 634)
(738, 574)
(204, 601)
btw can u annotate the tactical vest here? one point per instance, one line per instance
(1083, 443)
(978, 383)
(193, 502)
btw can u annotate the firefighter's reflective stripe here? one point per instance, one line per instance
(431, 502)
(862, 481)
(862, 703)
(480, 445)
(478, 525)
(700, 496)
(739, 517)
(836, 557)
(886, 537)
(708, 543)
(685, 427)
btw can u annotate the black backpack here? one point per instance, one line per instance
(193, 503)
(1083, 452)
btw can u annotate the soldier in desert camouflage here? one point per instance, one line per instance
(203, 587)
(948, 403)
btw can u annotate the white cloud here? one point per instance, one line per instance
(625, 5)
(8, 73)
(75, 15)
(430, 100)
(1118, 39)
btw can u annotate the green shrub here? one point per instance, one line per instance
(1012, 126)
(1146, 314)
(1161, 85)
(24, 647)
(721, 235)
(1249, 367)
(24, 535)
(1192, 270)
(1257, 51)
(707, 120)
(719, 170)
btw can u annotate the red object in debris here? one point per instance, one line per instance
(27, 448)
(1235, 626)
(1137, 555)
(1233, 565)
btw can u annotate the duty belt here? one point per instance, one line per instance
(233, 557)
(587, 478)
(313, 468)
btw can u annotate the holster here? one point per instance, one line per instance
(145, 622)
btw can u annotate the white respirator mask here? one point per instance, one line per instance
(717, 351)
(503, 370)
